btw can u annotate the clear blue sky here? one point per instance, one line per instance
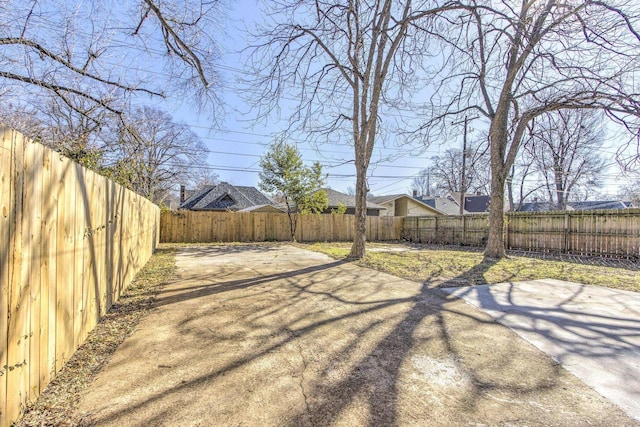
(236, 144)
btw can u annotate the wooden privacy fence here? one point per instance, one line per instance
(203, 227)
(602, 233)
(70, 242)
(468, 230)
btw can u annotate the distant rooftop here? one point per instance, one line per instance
(337, 198)
(442, 204)
(225, 196)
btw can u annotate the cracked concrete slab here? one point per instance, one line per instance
(273, 335)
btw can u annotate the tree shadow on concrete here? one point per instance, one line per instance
(355, 338)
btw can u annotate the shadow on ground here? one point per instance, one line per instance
(283, 336)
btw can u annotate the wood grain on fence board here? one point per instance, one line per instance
(72, 241)
(6, 219)
(204, 227)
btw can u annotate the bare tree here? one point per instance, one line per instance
(24, 120)
(53, 123)
(92, 56)
(519, 182)
(422, 185)
(145, 151)
(342, 60)
(631, 192)
(202, 176)
(154, 153)
(446, 171)
(514, 61)
(564, 146)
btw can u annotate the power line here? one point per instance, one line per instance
(53, 26)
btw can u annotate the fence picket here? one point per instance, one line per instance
(70, 237)
(203, 227)
(613, 233)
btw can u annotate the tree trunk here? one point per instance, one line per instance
(560, 190)
(292, 226)
(360, 237)
(495, 240)
(292, 220)
(512, 205)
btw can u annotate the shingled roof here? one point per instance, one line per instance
(473, 203)
(224, 197)
(539, 207)
(336, 198)
(384, 199)
(442, 204)
(597, 205)
(578, 206)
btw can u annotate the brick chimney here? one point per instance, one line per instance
(415, 193)
(183, 190)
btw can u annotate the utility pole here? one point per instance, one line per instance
(463, 177)
(463, 172)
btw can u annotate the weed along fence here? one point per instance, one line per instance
(70, 242)
(613, 233)
(204, 227)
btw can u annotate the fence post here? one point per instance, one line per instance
(506, 231)
(565, 242)
(464, 229)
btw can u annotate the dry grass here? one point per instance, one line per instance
(464, 267)
(56, 404)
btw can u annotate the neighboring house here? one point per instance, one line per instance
(337, 198)
(540, 207)
(577, 206)
(442, 204)
(597, 205)
(226, 197)
(473, 203)
(450, 204)
(263, 209)
(185, 194)
(404, 205)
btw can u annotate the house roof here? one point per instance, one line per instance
(385, 199)
(477, 203)
(473, 203)
(394, 197)
(337, 198)
(263, 208)
(578, 206)
(443, 204)
(596, 205)
(539, 207)
(225, 196)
